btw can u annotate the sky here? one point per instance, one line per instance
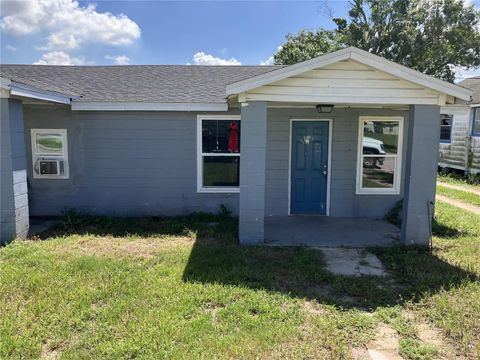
(153, 32)
(68, 32)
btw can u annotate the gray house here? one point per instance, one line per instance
(460, 132)
(320, 150)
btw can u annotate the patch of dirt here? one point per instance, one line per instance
(458, 203)
(49, 354)
(314, 308)
(121, 247)
(212, 308)
(431, 335)
(459, 187)
(386, 344)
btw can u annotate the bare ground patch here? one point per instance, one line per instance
(430, 334)
(458, 203)
(121, 247)
(386, 344)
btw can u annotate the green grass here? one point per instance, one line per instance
(443, 286)
(167, 288)
(465, 196)
(472, 181)
(97, 287)
(416, 350)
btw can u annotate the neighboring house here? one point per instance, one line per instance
(460, 132)
(267, 142)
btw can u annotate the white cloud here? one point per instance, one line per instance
(67, 23)
(118, 59)
(269, 61)
(10, 48)
(59, 58)
(200, 58)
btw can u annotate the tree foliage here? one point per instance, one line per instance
(432, 36)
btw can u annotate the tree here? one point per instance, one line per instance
(308, 44)
(432, 36)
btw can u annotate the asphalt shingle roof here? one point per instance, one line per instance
(134, 83)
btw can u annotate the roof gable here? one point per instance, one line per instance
(361, 57)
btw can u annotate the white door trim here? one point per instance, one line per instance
(329, 166)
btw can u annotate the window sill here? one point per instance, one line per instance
(219, 190)
(445, 141)
(377, 192)
(52, 177)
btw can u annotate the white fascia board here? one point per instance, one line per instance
(146, 106)
(360, 56)
(33, 93)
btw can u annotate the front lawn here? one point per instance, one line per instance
(96, 287)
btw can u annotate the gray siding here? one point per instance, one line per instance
(145, 164)
(13, 195)
(344, 202)
(123, 164)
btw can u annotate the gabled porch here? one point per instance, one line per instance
(345, 168)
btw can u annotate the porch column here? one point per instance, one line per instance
(252, 172)
(14, 220)
(420, 174)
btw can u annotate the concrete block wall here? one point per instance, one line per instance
(252, 174)
(420, 174)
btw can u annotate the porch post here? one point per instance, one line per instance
(420, 174)
(252, 172)
(14, 220)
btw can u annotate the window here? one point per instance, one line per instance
(49, 153)
(446, 122)
(218, 148)
(476, 122)
(379, 155)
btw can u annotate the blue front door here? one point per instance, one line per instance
(309, 167)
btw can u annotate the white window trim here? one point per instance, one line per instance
(64, 156)
(200, 155)
(398, 163)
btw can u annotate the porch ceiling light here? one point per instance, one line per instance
(324, 108)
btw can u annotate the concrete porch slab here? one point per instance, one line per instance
(329, 231)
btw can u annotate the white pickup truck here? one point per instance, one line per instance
(374, 147)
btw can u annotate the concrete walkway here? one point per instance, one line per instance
(352, 262)
(459, 187)
(458, 203)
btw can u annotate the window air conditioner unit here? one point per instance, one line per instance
(50, 167)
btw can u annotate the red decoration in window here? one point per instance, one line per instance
(233, 137)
